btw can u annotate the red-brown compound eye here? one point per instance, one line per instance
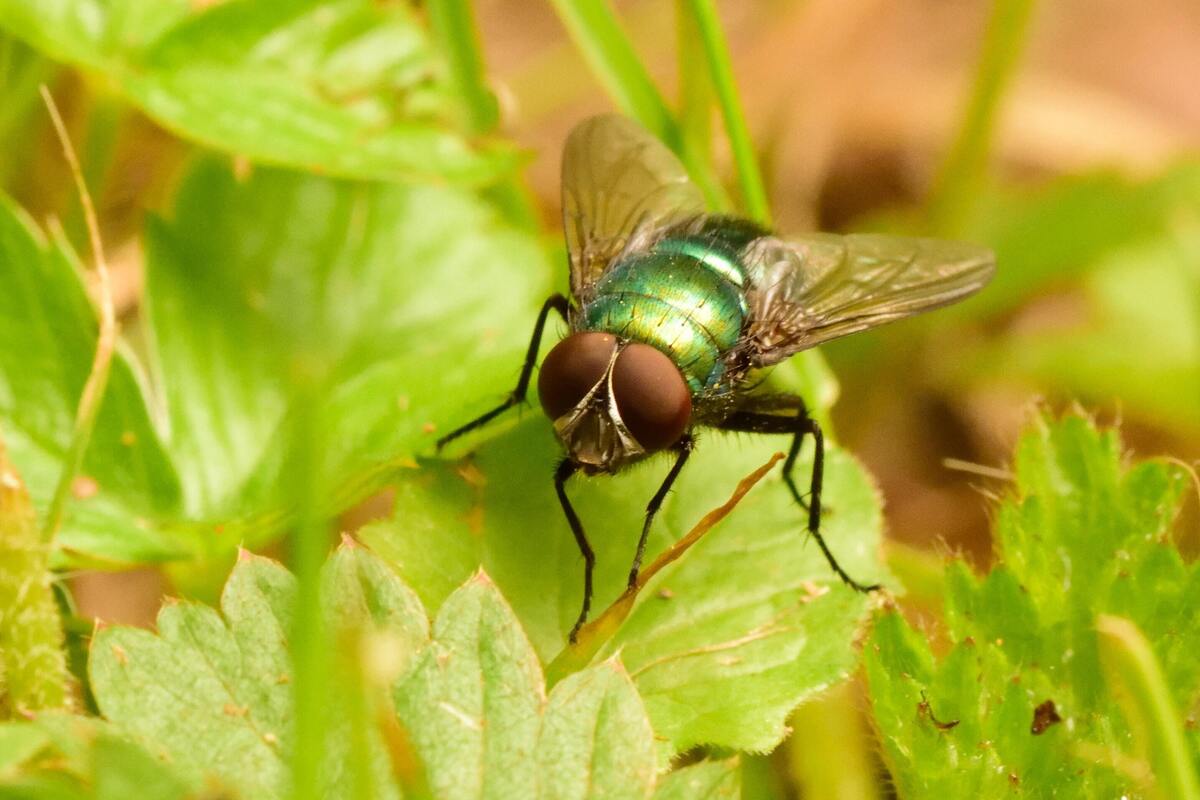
(652, 396)
(571, 369)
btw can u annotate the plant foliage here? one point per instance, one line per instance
(1019, 698)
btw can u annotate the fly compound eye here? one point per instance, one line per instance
(652, 397)
(571, 369)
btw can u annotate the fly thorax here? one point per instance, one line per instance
(679, 298)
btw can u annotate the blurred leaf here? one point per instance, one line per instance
(595, 739)
(18, 743)
(237, 290)
(722, 645)
(127, 478)
(344, 87)
(1138, 342)
(708, 780)
(85, 758)
(1084, 535)
(1061, 229)
(93, 33)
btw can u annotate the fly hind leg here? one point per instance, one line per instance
(799, 424)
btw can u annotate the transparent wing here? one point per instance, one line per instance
(813, 288)
(619, 186)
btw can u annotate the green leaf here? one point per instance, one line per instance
(359, 588)
(238, 285)
(596, 740)
(78, 757)
(18, 743)
(708, 780)
(206, 704)
(237, 288)
(43, 305)
(722, 645)
(214, 696)
(123, 770)
(472, 704)
(93, 33)
(344, 87)
(1085, 534)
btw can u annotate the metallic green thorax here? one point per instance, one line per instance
(684, 296)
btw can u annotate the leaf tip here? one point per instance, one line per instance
(481, 578)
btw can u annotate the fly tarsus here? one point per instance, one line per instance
(555, 302)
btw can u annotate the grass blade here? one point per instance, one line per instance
(1136, 673)
(695, 110)
(452, 24)
(720, 68)
(961, 175)
(596, 31)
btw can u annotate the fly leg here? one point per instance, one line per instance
(555, 302)
(684, 448)
(798, 425)
(567, 468)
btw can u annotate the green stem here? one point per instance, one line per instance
(453, 25)
(1135, 671)
(32, 658)
(957, 186)
(594, 27)
(309, 545)
(106, 339)
(720, 68)
(358, 691)
(695, 108)
(837, 763)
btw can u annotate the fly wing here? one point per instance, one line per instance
(620, 185)
(813, 288)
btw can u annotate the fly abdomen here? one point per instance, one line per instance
(683, 298)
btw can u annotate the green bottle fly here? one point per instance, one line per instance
(685, 296)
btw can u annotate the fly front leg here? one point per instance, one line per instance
(555, 302)
(684, 449)
(567, 468)
(798, 424)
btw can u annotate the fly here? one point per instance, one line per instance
(673, 311)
